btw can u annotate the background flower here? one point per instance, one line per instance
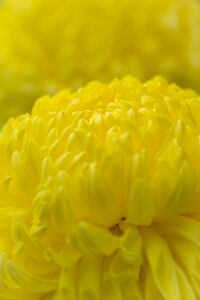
(50, 44)
(99, 195)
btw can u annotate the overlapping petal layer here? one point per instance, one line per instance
(99, 195)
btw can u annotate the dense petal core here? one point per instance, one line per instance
(99, 195)
(49, 44)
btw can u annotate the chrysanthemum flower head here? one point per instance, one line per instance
(99, 195)
(50, 44)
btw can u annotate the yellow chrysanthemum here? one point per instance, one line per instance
(50, 44)
(99, 195)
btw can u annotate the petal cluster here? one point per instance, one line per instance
(99, 195)
(50, 44)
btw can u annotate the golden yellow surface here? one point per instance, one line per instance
(99, 195)
(46, 45)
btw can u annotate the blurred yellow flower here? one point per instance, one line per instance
(99, 195)
(51, 44)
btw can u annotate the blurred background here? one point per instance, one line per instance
(48, 45)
